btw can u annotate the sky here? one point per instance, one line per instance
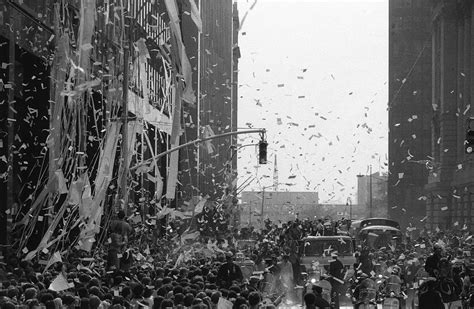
(314, 74)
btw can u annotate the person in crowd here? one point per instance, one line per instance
(295, 263)
(229, 272)
(364, 289)
(169, 272)
(310, 300)
(394, 282)
(336, 267)
(350, 273)
(286, 275)
(319, 300)
(319, 227)
(429, 297)
(254, 300)
(336, 271)
(432, 262)
(366, 261)
(120, 231)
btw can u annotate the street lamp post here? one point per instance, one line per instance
(250, 215)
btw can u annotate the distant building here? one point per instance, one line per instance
(282, 206)
(409, 108)
(277, 206)
(378, 192)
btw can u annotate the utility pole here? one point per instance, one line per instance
(263, 203)
(370, 190)
(123, 192)
(349, 203)
(250, 215)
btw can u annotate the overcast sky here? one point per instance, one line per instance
(315, 75)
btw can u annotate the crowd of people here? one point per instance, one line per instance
(192, 270)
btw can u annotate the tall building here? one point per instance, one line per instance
(77, 76)
(26, 29)
(64, 109)
(450, 191)
(210, 169)
(409, 108)
(217, 109)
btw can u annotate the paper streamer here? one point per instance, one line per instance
(174, 157)
(172, 9)
(208, 132)
(56, 257)
(224, 304)
(60, 284)
(196, 15)
(200, 206)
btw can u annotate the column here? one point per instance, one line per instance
(448, 119)
(467, 64)
(460, 88)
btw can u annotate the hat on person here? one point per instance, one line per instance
(396, 270)
(254, 278)
(30, 293)
(94, 302)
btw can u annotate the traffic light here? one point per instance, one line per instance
(469, 141)
(262, 152)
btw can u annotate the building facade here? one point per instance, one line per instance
(277, 206)
(409, 108)
(217, 106)
(209, 170)
(65, 109)
(372, 193)
(450, 189)
(77, 76)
